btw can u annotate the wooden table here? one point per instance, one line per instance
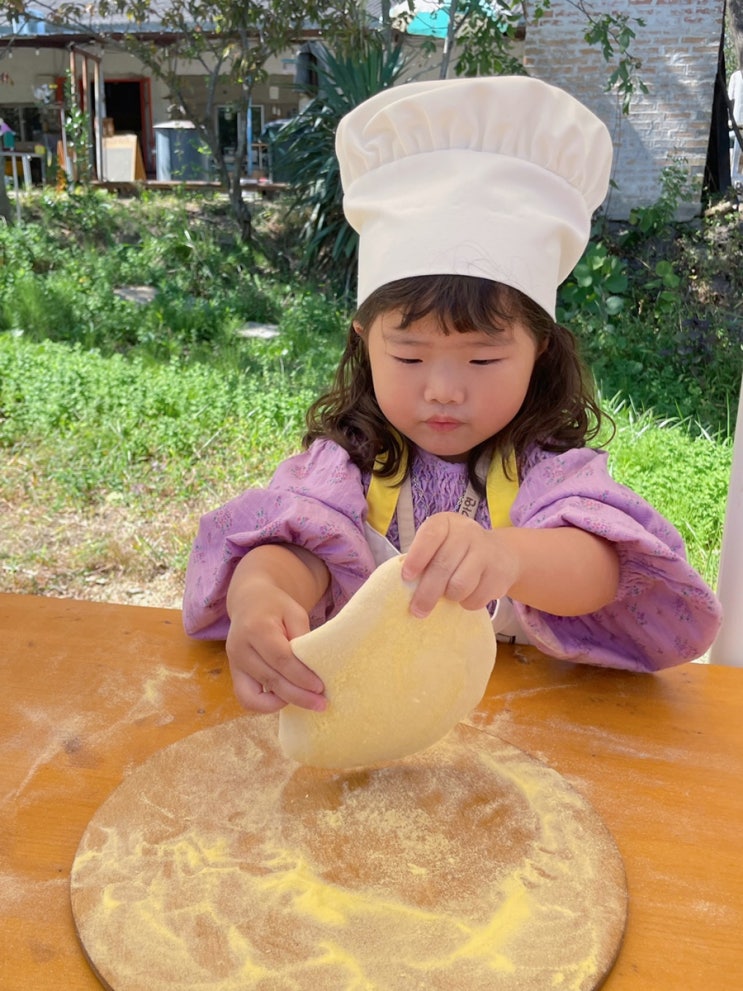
(91, 690)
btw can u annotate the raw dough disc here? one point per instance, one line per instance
(219, 864)
(395, 684)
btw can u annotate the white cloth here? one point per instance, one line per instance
(735, 95)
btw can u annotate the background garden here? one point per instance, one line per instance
(124, 415)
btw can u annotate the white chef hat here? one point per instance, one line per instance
(492, 177)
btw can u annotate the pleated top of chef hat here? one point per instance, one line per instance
(494, 177)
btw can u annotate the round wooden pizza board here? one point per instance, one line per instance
(219, 864)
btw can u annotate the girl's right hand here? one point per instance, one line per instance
(265, 673)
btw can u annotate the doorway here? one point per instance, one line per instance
(128, 105)
(230, 128)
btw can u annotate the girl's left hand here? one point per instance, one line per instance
(454, 557)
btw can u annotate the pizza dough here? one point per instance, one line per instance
(395, 683)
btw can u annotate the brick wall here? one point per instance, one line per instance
(678, 47)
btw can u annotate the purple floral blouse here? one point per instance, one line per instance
(664, 614)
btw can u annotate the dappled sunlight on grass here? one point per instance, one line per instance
(682, 471)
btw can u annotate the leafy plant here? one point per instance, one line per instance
(206, 282)
(484, 33)
(614, 33)
(595, 290)
(640, 302)
(77, 128)
(666, 284)
(646, 222)
(680, 366)
(329, 246)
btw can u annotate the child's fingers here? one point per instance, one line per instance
(285, 676)
(287, 670)
(267, 689)
(449, 561)
(266, 674)
(445, 577)
(251, 696)
(287, 691)
(438, 584)
(431, 535)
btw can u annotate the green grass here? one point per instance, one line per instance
(101, 424)
(126, 430)
(681, 471)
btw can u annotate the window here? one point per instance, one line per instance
(25, 121)
(229, 128)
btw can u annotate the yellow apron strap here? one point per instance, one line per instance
(501, 491)
(384, 493)
(382, 496)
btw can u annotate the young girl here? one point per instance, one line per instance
(457, 426)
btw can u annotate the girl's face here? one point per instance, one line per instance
(447, 393)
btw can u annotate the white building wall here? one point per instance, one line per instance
(678, 47)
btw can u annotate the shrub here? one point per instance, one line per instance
(206, 283)
(653, 324)
(327, 247)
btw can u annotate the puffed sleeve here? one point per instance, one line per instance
(315, 500)
(664, 613)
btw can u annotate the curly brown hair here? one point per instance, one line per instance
(559, 411)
